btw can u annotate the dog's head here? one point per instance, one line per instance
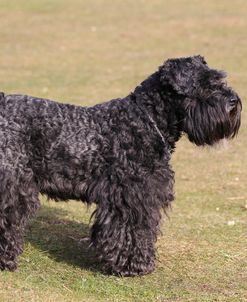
(210, 109)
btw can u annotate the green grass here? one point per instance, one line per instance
(86, 52)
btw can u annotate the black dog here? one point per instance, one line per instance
(115, 154)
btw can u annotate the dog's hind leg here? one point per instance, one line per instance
(18, 202)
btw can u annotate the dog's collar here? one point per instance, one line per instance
(156, 128)
(154, 125)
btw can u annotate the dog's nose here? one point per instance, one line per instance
(233, 101)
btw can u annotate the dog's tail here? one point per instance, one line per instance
(1, 95)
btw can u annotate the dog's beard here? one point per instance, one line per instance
(221, 144)
(210, 125)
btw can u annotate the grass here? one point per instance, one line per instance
(87, 52)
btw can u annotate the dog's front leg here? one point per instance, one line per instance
(125, 228)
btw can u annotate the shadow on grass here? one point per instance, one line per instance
(63, 239)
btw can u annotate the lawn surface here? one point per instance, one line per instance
(86, 52)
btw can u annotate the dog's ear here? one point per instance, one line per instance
(211, 76)
(183, 73)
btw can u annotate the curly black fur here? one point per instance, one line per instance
(114, 154)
